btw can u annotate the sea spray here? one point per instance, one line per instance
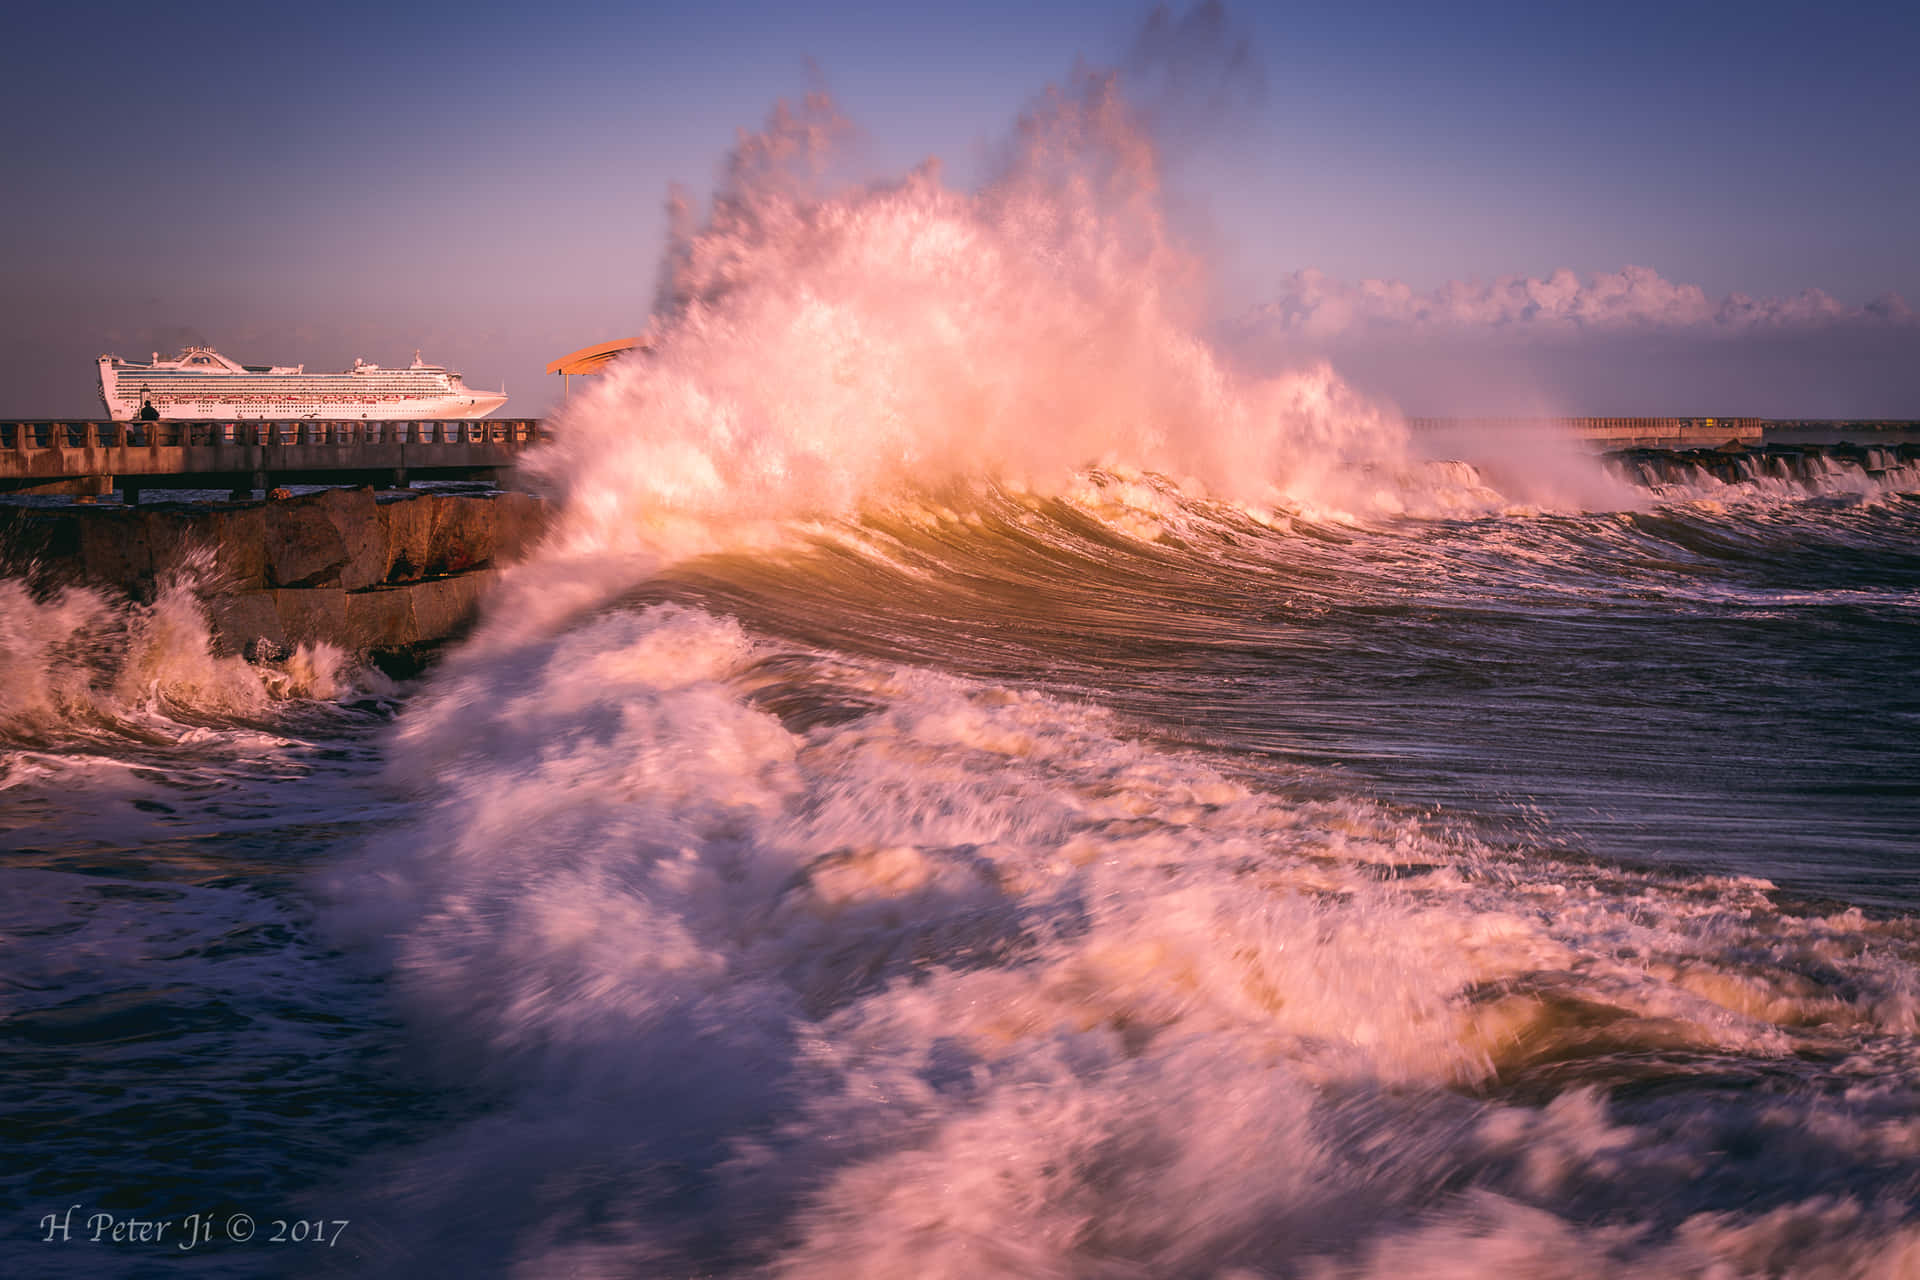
(832, 351)
(84, 658)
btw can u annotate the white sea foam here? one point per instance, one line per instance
(776, 961)
(957, 979)
(1759, 485)
(82, 658)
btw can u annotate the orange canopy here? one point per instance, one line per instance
(594, 359)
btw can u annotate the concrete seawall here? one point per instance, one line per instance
(388, 579)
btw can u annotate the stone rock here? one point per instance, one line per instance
(382, 619)
(247, 623)
(462, 534)
(519, 520)
(113, 549)
(311, 615)
(408, 620)
(131, 550)
(444, 607)
(326, 539)
(409, 528)
(304, 547)
(355, 513)
(280, 574)
(238, 536)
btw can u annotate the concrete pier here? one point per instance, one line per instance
(93, 458)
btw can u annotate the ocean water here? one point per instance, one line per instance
(977, 784)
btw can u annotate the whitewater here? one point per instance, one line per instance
(978, 782)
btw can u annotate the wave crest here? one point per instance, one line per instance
(821, 353)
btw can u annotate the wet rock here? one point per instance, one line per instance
(445, 606)
(261, 650)
(382, 620)
(519, 520)
(238, 537)
(462, 534)
(387, 580)
(131, 549)
(357, 516)
(246, 623)
(312, 615)
(408, 522)
(304, 547)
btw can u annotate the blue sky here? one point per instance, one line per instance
(488, 182)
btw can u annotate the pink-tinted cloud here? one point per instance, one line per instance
(1636, 299)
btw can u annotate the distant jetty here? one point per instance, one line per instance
(1617, 432)
(1628, 433)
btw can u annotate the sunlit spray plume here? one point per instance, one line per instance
(773, 954)
(824, 352)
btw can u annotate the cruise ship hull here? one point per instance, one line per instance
(445, 407)
(203, 384)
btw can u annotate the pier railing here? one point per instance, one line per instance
(1614, 432)
(255, 454)
(55, 434)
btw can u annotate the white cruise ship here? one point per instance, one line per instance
(202, 383)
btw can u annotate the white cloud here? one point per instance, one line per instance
(1635, 299)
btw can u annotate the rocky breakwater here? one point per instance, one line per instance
(1809, 465)
(387, 578)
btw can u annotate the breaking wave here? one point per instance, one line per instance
(83, 660)
(816, 865)
(829, 352)
(793, 962)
